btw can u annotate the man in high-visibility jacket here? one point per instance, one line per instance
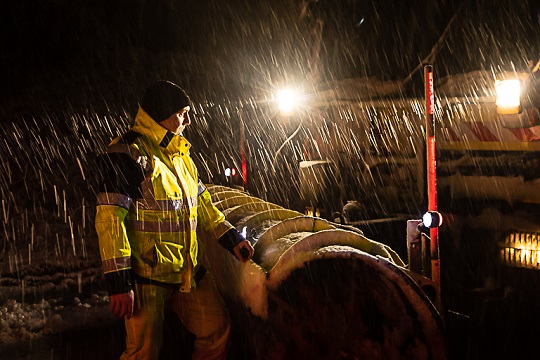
(152, 213)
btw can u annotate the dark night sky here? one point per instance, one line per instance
(238, 47)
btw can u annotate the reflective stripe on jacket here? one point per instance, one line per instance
(151, 205)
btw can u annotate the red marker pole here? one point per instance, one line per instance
(243, 147)
(431, 170)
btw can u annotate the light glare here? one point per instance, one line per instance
(288, 100)
(508, 96)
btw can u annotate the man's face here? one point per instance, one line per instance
(178, 121)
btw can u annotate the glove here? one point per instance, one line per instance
(237, 245)
(243, 251)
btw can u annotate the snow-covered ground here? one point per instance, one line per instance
(21, 322)
(45, 302)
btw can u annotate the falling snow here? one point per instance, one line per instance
(72, 76)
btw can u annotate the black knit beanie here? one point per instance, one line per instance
(164, 98)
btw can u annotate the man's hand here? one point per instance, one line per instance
(122, 304)
(243, 251)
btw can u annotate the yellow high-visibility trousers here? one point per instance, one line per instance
(202, 312)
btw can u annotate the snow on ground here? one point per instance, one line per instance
(51, 298)
(21, 322)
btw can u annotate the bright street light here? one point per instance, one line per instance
(288, 100)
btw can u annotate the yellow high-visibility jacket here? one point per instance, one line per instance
(152, 207)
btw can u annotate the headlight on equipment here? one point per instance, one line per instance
(508, 96)
(432, 219)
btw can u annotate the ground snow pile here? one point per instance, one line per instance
(19, 322)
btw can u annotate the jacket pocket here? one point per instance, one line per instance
(167, 257)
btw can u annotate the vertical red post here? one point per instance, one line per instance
(431, 169)
(243, 147)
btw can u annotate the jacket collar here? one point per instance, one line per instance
(167, 141)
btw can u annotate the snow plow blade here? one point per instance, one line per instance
(322, 290)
